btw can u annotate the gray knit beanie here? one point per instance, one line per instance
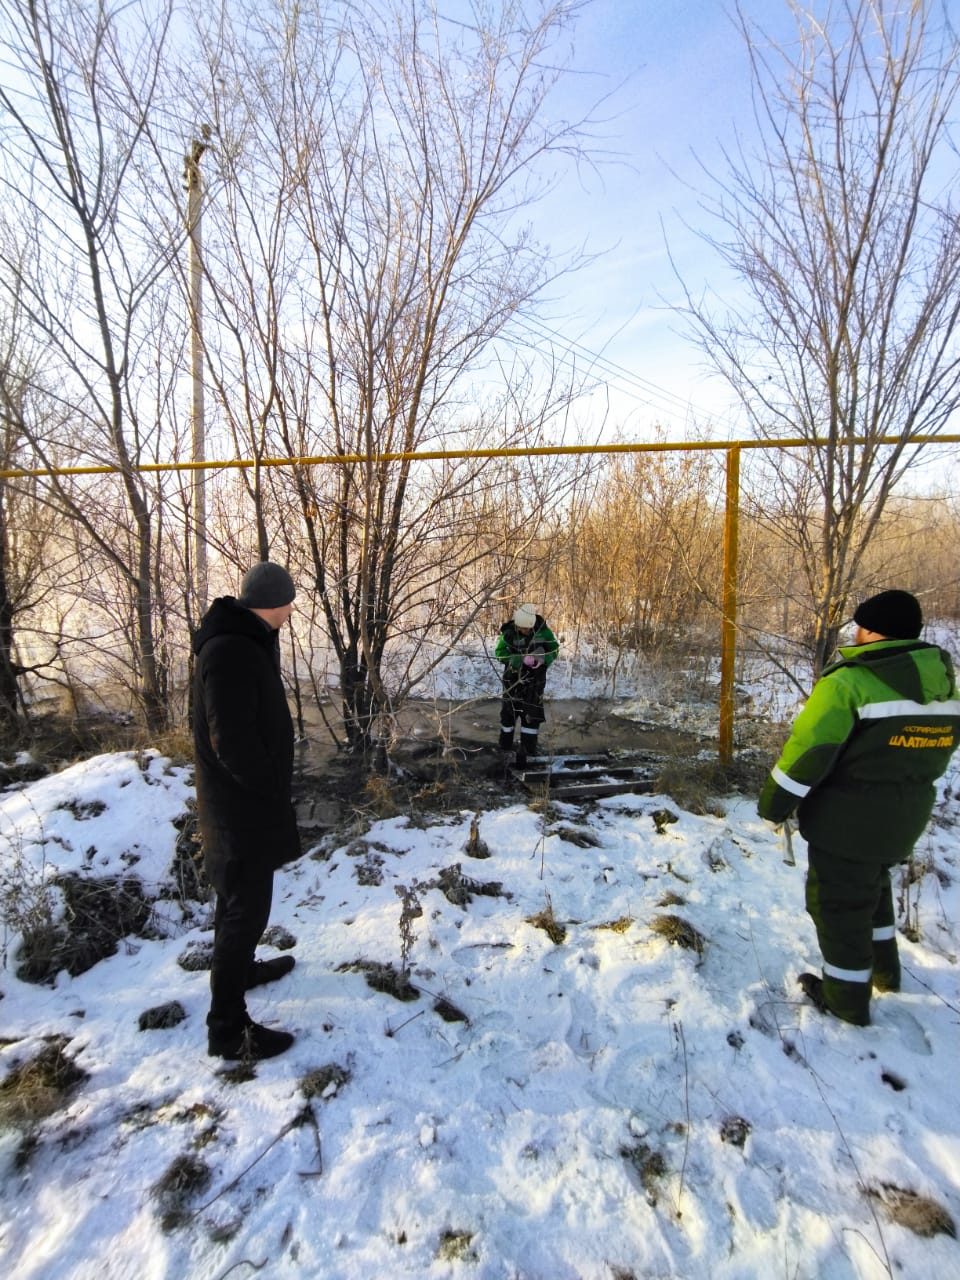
(266, 586)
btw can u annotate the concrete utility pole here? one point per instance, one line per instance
(194, 187)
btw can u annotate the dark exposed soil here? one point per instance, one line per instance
(445, 757)
(573, 724)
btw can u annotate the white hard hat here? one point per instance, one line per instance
(525, 615)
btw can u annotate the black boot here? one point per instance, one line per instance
(528, 744)
(506, 739)
(251, 1043)
(263, 971)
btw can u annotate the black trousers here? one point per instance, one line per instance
(244, 896)
(523, 699)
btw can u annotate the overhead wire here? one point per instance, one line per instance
(565, 351)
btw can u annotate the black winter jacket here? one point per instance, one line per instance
(243, 739)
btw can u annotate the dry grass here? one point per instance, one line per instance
(649, 1164)
(475, 846)
(176, 744)
(380, 796)
(324, 1082)
(680, 932)
(919, 1214)
(384, 978)
(98, 913)
(185, 1179)
(735, 1130)
(620, 925)
(547, 921)
(696, 785)
(39, 1087)
(455, 1247)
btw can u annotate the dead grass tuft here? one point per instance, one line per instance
(185, 1179)
(620, 925)
(649, 1165)
(176, 744)
(454, 1246)
(475, 846)
(680, 932)
(735, 1130)
(380, 796)
(324, 1082)
(383, 977)
(663, 818)
(460, 889)
(98, 913)
(919, 1214)
(39, 1087)
(691, 784)
(578, 836)
(696, 785)
(448, 1011)
(547, 921)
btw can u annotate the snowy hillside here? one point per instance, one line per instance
(607, 1071)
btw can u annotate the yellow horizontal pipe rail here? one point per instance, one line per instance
(433, 455)
(732, 486)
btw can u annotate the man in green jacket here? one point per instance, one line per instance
(859, 770)
(526, 646)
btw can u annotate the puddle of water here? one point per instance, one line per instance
(573, 725)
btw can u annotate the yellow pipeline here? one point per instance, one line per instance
(728, 638)
(433, 455)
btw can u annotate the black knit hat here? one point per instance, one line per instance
(266, 586)
(894, 614)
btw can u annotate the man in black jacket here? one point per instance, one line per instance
(243, 742)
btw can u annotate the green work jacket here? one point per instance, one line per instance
(513, 645)
(860, 764)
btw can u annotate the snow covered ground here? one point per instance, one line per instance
(605, 1102)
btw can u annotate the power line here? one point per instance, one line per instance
(625, 380)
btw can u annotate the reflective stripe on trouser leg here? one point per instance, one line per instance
(886, 956)
(842, 898)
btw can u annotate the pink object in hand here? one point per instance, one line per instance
(531, 661)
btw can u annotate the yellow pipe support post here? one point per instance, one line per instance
(728, 636)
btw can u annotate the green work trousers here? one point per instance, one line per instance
(851, 904)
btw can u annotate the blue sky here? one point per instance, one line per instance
(678, 74)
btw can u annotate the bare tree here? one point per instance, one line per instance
(75, 103)
(25, 532)
(366, 253)
(842, 228)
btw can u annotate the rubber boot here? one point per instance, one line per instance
(506, 739)
(886, 965)
(528, 743)
(849, 1001)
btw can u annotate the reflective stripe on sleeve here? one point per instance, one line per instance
(884, 933)
(787, 783)
(846, 975)
(881, 710)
